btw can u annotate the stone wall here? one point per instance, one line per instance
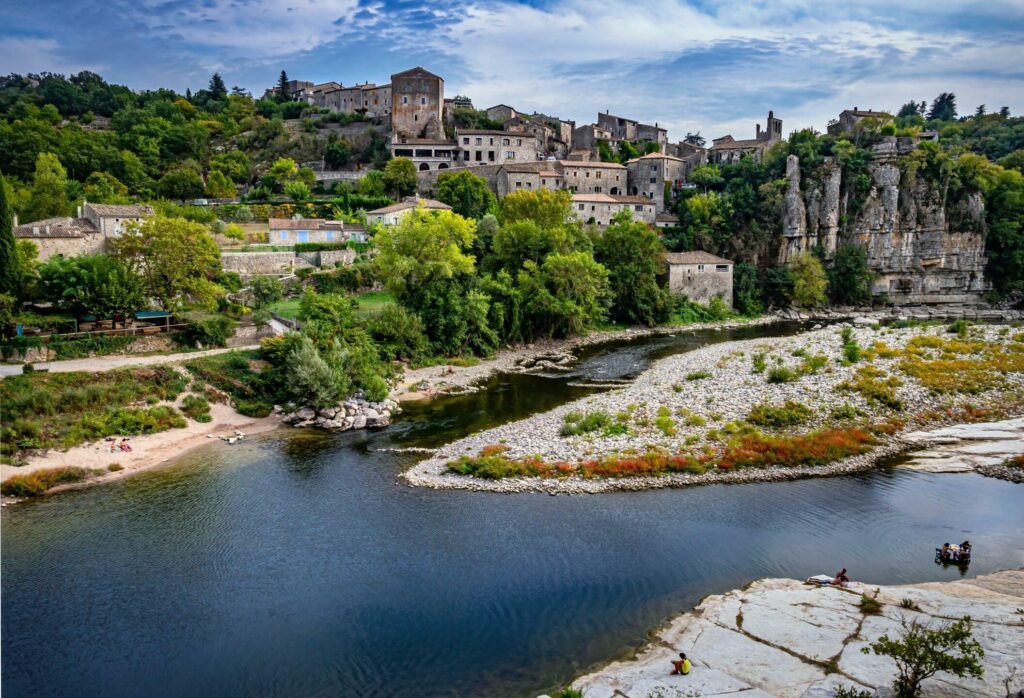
(90, 243)
(923, 249)
(259, 263)
(701, 282)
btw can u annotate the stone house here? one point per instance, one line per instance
(427, 154)
(594, 177)
(295, 88)
(649, 174)
(391, 215)
(288, 231)
(700, 276)
(528, 176)
(485, 147)
(586, 137)
(666, 220)
(369, 99)
(86, 233)
(630, 130)
(317, 95)
(501, 112)
(417, 104)
(849, 118)
(600, 209)
(727, 150)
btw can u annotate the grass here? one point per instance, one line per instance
(698, 375)
(233, 374)
(197, 407)
(759, 362)
(869, 605)
(909, 604)
(577, 423)
(61, 410)
(373, 302)
(788, 414)
(38, 482)
(875, 386)
(781, 374)
(287, 308)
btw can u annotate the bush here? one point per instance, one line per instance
(869, 605)
(197, 407)
(959, 328)
(253, 408)
(698, 375)
(851, 353)
(576, 423)
(38, 482)
(96, 345)
(114, 467)
(399, 334)
(788, 414)
(759, 362)
(266, 290)
(781, 374)
(209, 331)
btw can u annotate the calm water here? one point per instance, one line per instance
(296, 564)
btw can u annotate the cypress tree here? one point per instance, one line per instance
(282, 88)
(9, 272)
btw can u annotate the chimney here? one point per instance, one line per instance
(14, 221)
(79, 213)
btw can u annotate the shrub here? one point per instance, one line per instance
(788, 414)
(869, 605)
(698, 375)
(82, 347)
(909, 604)
(399, 334)
(851, 353)
(816, 448)
(781, 374)
(39, 481)
(845, 412)
(760, 362)
(266, 290)
(197, 407)
(576, 423)
(114, 467)
(209, 331)
(253, 408)
(813, 364)
(959, 328)
(875, 386)
(666, 425)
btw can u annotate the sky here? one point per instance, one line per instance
(708, 66)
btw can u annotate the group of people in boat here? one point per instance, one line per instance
(954, 553)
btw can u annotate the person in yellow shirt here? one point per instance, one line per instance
(681, 665)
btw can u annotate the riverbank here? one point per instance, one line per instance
(148, 450)
(693, 418)
(781, 637)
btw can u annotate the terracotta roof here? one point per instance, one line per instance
(656, 156)
(295, 223)
(410, 203)
(739, 145)
(587, 163)
(634, 200)
(61, 227)
(666, 218)
(696, 257)
(595, 198)
(548, 173)
(121, 211)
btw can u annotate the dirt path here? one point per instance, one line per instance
(107, 363)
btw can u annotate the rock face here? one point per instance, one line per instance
(349, 414)
(781, 637)
(924, 247)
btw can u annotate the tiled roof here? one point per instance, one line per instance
(656, 156)
(666, 218)
(121, 211)
(696, 257)
(738, 145)
(866, 112)
(295, 223)
(634, 200)
(595, 198)
(586, 163)
(62, 227)
(412, 202)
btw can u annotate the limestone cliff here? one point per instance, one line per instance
(925, 247)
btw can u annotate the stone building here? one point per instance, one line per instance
(727, 150)
(600, 209)
(594, 177)
(849, 118)
(622, 128)
(295, 88)
(485, 147)
(501, 113)
(586, 137)
(700, 276)
(427, 154)
(317, 95)
(417, 104)
(530, 176)
(299, 230)
(391, 215)
(649, 174)
(86, 233)
(368, 99)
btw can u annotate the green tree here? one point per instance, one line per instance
(372, 184)
(283, 170)
(1004, 243)
(923, 651)
(98, 285)
(311, 381)
(707, 177)
(218, 186)
(48, 196)
(943, 107)
(282, 88)
(849, 278)
(104, 188)
(337, 153)
(524, 240)
(467, 194)
(632, 253)
(546, 207)
(565, 295)
(176, 258)
(266, 290)
(10, 272)
(297, 191)
(181, 184)
(400, 177)
(809, 280)
(747, 296)
(217, 89)
(234, 164)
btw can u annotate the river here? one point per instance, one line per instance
(296, 563)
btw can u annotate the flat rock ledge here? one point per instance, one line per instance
(781, 637)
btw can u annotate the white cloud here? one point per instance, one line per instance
(34, 55)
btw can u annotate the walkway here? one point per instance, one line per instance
(107, 363)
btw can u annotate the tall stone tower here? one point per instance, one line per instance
(417, 104)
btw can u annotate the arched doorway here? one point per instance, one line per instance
(424, 166)
(635, 191)
(614, 191)
(443, 166)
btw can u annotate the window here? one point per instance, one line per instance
(582, 207)
(519, 141)
(479, 141)
(597, 175)
(505, 141)
(510, 155)
(330, 236)
(465, 141)
(423, 101)
(519, 184)
(415, 117)
(490, 155)
(490, 141)
(465, 155)
(700, 267)
(721, 267)
(405, 99)
(638, 207)
(597, 190)
(284, 234)
(479, 155)
(654, 168)
(654, 180)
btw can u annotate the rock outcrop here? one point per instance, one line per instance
(781, 637)
(354, 413)
(924, 247)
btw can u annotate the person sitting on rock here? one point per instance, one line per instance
(681, 665)
(840, 580)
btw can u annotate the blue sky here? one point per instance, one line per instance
(714, 66)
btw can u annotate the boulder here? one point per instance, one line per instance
(306, 413)
(359, 421)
